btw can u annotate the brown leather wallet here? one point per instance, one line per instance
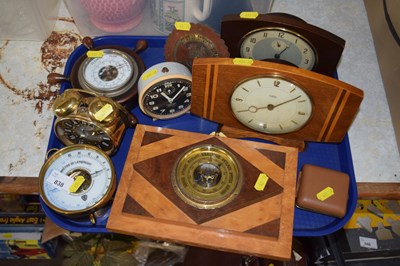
(322, 190)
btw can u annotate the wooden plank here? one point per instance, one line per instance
(372, 190)
(19, 185)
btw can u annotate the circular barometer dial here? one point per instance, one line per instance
(112, 74)
(207, 177)
(77, 180)
(279, 45)
(271, 104)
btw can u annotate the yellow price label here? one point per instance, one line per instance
(7, 235)
(261, 182)
(31, 242)
(77, 184)
(243, 61)
(105, 111)
(325, 194)
(249, 15)
(149, 74)
(95, 54)
(181, 25)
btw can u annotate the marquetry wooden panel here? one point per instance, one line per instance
(335, 103)
(255, 222)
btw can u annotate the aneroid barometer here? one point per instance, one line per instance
(77, 180)
(109, 70)
(207, 177)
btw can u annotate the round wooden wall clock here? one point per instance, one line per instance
(269, 99)
(109, 70)
(193, 41)
(282, 37)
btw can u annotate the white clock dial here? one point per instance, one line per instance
(278, 44)
(271, 105)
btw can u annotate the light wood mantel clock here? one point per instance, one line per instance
(273, 100)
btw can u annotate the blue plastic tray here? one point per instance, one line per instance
(333, 156)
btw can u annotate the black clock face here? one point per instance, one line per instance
(76, 131)
(168, 99)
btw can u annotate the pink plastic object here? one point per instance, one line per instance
(114, 15)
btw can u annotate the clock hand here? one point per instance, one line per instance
(271, 106)
(88, 134)
(94, 136)
(278, 56)
(176, 95)
(166, 97)
(251, 109)
(254, 109)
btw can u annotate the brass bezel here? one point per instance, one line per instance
(84, 212)
(204, 204)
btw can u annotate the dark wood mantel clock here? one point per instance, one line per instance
(264, 99)
(282, 37)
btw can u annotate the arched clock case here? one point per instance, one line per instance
(281, 36)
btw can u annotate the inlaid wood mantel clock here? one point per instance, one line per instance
(270, 99)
